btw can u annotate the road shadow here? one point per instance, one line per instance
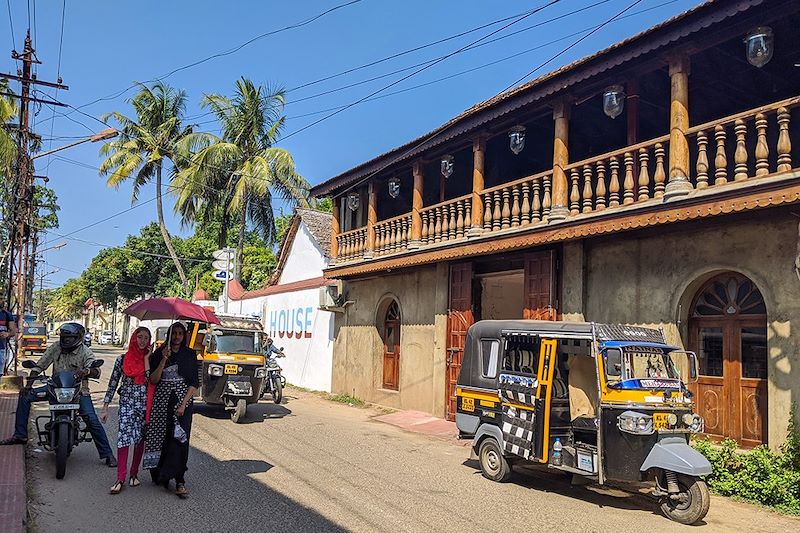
(256, 413)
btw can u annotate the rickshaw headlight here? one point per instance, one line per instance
(697, 424)
(636, 423)
(688, 419)
(214, 370)
(260, 372)
(672, 419)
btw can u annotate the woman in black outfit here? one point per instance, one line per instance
(174, 375)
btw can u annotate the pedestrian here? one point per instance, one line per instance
(8, 330)
(174, 372)
(132, 369)
(69, 354)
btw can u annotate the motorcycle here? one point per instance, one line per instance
(275, 381)
(64, 428)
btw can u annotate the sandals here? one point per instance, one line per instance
(134, 481)
(11, 441)
(117, 488)
(181, 490)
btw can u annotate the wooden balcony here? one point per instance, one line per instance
(728, 156)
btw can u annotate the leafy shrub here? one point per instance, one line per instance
(758, 475)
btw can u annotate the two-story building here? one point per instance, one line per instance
(653, 183)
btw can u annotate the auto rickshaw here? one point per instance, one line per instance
(605, 402)
(232, 367)
(34, 340)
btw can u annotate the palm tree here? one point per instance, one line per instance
(243, 168)
(144, 143)
(8, 149)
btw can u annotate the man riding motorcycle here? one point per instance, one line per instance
(68, 355)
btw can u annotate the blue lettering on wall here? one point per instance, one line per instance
(291, 323)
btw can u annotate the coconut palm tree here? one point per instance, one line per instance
(239, 172)
(143, 146)
(8, 149)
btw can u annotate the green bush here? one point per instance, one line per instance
(758, 475)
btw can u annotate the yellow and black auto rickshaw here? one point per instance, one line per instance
(232, 367)
(605, 402)
(34, 340)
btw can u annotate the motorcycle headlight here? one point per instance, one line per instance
(272, 363)
(261, 372)
(697, 424)
(635, 423)
(64, 394)
(215, 370)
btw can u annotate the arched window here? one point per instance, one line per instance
(391, 346)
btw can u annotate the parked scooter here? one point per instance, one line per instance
(64, 428)
(275, 381)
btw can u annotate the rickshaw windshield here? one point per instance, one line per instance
(650, 364)
(234, 342)
(645, 366)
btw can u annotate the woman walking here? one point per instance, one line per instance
(175, 378)
(132, 369)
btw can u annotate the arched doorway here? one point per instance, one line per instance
(728, 331)
(391, 346)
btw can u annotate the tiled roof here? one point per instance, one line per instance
(319, 224)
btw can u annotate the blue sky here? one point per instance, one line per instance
(108, 45)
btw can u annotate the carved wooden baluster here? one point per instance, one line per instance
(342, 246)
(515, 208)
(467, 213)
(784, 141)
(445, 222)
(740, 155)
(451, 228)
(378, 239)
(397, 235)
(349, 246)
(536, 204)
(762, 149)
(702, 160)
(487, 211)
(600, 188)
(721, 160)
(505, 199)
(660, 175)
(547, 201)
(403, 233)
(498, 214)
(460, 219)
(525, 207)
(627, 195)
(437, 228)
(423, 234)
(613, 188)
(587, 189)
(644, 175)
(574, 193)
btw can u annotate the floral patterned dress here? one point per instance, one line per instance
(132, 405)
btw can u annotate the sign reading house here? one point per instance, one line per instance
(291, 323)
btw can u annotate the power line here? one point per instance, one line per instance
(58, 77)
(11, 23)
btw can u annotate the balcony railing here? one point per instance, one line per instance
(737, 148)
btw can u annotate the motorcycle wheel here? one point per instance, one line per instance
(62, 449)
(237, 415)
(277, 391)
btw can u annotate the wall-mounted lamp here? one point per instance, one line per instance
(394, 187)
(353, 201)
(516, 139)
(613, 100)
(447, 166)
(759, 45)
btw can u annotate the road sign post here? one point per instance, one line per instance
(223, 264)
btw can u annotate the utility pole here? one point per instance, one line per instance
(23, 190)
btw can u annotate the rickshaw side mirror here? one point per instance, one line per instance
(613, 360)
(693, 367)
(207, 341)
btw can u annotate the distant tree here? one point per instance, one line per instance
(68, 300)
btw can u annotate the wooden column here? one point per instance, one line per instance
(478, 165)
(679, 184)
(372, 219)
(335, 229)
(632, 111)
(416, 207)
(560, 206)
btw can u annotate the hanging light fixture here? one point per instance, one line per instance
(759, 45)
(516, 139)
(447, 166)
(394, 187)
(613, 100)
(353, 201)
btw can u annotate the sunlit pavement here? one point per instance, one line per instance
(314, 465)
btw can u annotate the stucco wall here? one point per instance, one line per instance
(650, 279)
(305, 259)
(358, 348)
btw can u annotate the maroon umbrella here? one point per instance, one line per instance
(170, 308)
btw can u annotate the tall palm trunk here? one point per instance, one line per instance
(222, 238)
(240, 244)
(165, 233)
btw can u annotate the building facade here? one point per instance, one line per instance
(653, 183)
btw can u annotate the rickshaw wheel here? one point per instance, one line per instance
(493, 465)
(696, 505)
(237, 415)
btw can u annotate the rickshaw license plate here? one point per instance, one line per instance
(660, 421)
(231, 369)
(468, 404)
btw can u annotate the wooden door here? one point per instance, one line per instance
(391, 347)
(459, 319)
(540, 286)
(728, 332)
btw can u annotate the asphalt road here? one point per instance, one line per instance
(315, 465)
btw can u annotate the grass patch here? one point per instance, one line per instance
(346, 398)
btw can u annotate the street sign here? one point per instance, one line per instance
(225, 253)
(220, 275)
(222, 264)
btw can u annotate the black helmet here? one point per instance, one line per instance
(70, 335)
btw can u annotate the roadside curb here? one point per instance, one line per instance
(424, 424)
(13, 504)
